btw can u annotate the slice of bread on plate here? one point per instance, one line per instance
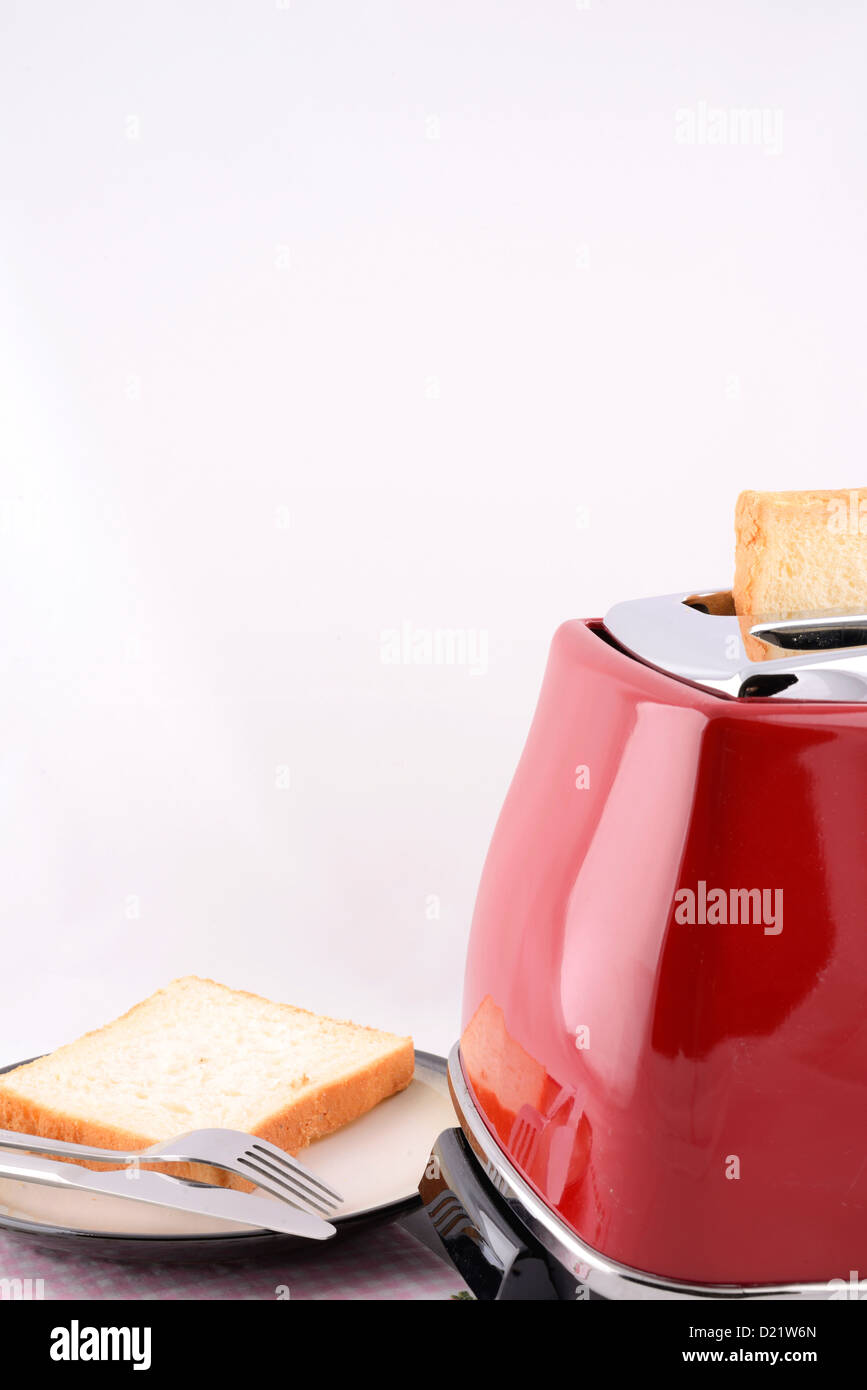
(197, 1055)
(798, 554)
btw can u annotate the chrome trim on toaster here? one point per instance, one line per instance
(698, 637)
(600, 1275)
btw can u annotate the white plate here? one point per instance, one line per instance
(375, 1162)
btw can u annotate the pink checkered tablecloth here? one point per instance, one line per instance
(384, 1263)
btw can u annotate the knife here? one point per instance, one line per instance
(162, 1191)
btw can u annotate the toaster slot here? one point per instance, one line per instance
(717, 605)
(763, 687)
(807, 683)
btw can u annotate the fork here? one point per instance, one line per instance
(261, 1163)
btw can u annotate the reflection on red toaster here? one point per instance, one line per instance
(535, 1118)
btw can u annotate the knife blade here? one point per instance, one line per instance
(160, 1190)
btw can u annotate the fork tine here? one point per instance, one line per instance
(294, 1174)
(288, 1178)
(284, 1160)
(274, 1185)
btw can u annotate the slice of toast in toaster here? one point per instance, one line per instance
(798, 554)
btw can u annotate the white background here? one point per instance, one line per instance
(322, 318)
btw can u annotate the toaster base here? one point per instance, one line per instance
(508, 1244)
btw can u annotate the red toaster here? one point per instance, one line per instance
(661, 1080)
